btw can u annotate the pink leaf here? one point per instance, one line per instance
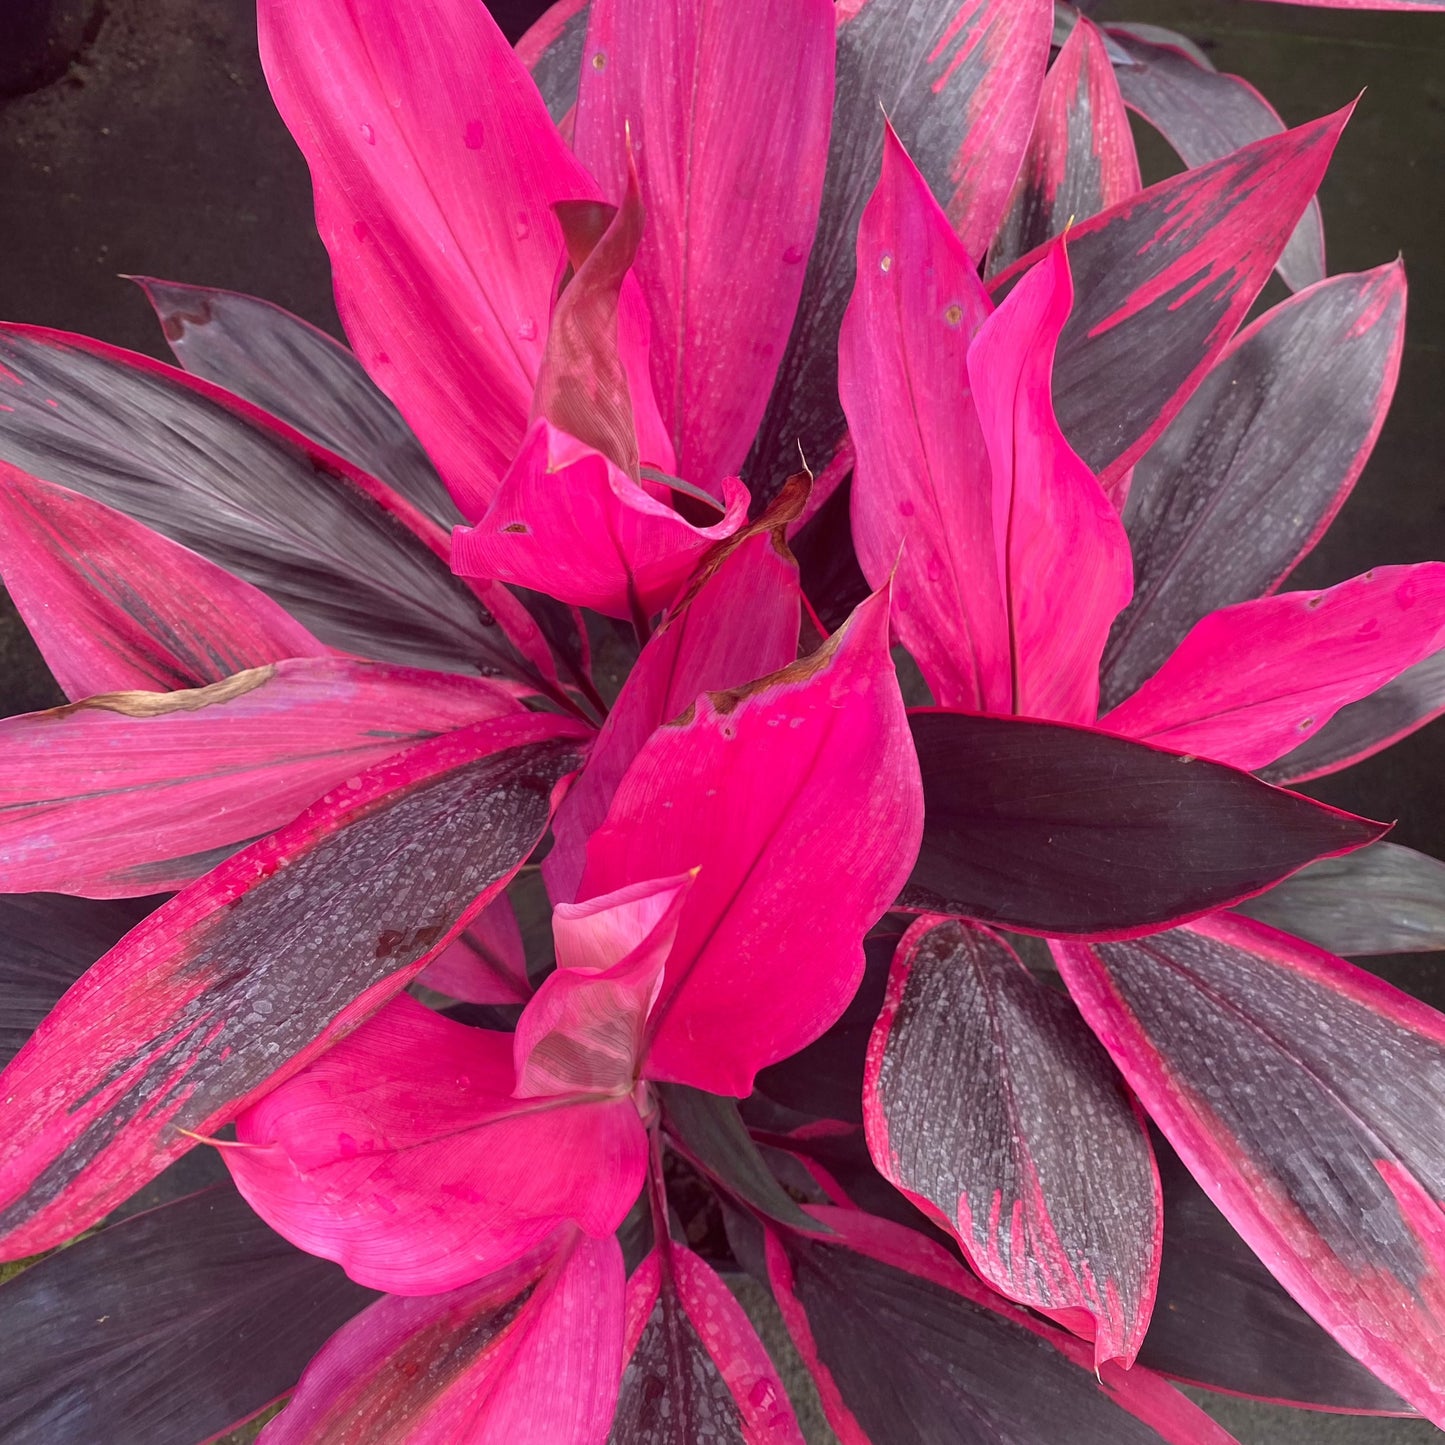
(114, 606)
(706, 90)
(810, 769)
(249, 973)
(136, 792)
(584, 1030)
(1252, 681)
(487, 963)
(1307, 1098)
(737, 621)
(435, 166)
(528, 1354)
(402, 1154)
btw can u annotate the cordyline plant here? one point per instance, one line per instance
(996, 1036)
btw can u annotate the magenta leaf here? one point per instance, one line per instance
(960, 84)
(402, 1154)
(487, 963)
(1080, 159)
(1050, 829)
(698, 92)
(130, 1336)
(990, 1104)
(137, 792)
(114, 606)
(294, 371)
(530, 1353)
(1383, 899)
(551, 50)
(49, 941)
(1162, 281)
(353, 561)
(1205, 115)
(809, 769)
(1220, 1320)
(906, 1345)
(1249, 475)
(1307, 1096)
(737, 620)
(250, 972)
(1249, 681)
(695, 1369)
(416, 180)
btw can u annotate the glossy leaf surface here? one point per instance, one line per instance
(137, 792)
(165, 1329)
(1307, 1097)
(991, 1105)
(1252, 471)
(321, 922)
(1050, 829)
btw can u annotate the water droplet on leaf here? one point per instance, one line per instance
(473, 135)
(368, 133)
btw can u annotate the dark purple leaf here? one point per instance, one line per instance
(959, 83)
(828, 569)
(1309, 1097)
(1383, 899)
(47, 940)
(1204, 115)
(990, 1104)
(1046, 828)
(1221, 1321)
(1162, 280)
(552, 51)
(348, 557)
(1252, 471)
(906, 1346)
(1399, 708)
(289, 368)
(165, 1329)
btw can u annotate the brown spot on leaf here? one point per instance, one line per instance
(190, 699)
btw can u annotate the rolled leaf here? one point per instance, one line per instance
(1250, 680)
(1221, 1321)
(551, 49)
(297, 372)
(1383, 899)
(810, 768)
(1307, 1097)
(695, 1369)
(532, 1353)
(737, 620)
(1249, 475)
(905, 1345)
(960, 84)
(1080, 159)
(114, 606)
(1205, 115)
(1049, 829)
(402, 1154)
(990, 1104)
(130, 1336)
(342, 552)
(252, 971)
(697, 93)
(1161, 282)
(138, 792)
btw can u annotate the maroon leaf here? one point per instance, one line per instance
(294, 371)
(905, 1345)
(352, 560)
(695, 1369)
(1204, 115)
(1052, 829)
(245, 976)
(990, 1104)
(165, 1329)
(1162, 281)
(1308, 1097)
(959, 82)
(1080, 159)
(1221, 1321)
(1251, 472)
